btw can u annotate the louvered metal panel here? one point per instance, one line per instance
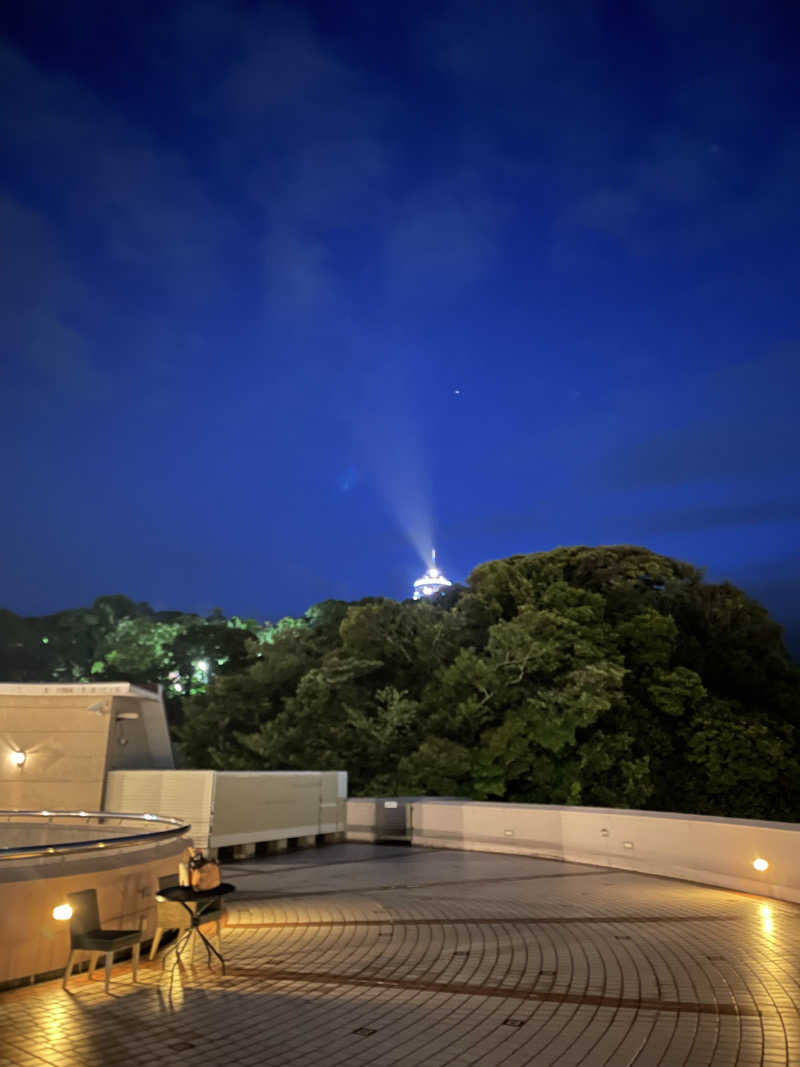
(185, 795)
(236, 807)
(333, 791)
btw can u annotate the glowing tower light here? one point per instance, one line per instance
(431, 582)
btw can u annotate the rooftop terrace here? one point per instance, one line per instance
(361, 954)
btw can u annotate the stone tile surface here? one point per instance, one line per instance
(392, 957)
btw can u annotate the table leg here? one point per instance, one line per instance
(196, 918)
(177, 948)
(210, 948)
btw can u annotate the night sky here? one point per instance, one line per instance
(292, 292)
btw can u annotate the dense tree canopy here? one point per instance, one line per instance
(604, 676)
(118, 639)
(601, 676)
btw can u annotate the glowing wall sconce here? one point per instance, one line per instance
(18, 758)
(62, 912)
(760, 864)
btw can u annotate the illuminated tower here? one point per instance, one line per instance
(431, 582)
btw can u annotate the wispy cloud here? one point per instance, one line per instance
(42, 300)
(139, 205)
(441, 241)
(740, 424)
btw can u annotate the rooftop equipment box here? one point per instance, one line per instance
(70, 736)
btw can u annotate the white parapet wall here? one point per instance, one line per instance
(695, 848)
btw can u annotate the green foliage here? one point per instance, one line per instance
(583, 675)
(117, 638)
(140, 649)
(604, 676)
(438, 767)
(731, 754)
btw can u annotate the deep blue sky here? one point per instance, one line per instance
(288, 290)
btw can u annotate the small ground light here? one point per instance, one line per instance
(62, 912)
(18, 758)
(760, 864)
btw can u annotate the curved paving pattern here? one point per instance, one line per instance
(362, 955)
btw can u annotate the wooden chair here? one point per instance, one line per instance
(86, 935)
(173, 916)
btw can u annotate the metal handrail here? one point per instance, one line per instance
(175, 828)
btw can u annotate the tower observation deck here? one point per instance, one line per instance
(431, 582)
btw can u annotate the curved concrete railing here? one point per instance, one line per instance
(730, 853)
(46, 855)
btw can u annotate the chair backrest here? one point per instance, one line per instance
(168, 880)
(85, 916)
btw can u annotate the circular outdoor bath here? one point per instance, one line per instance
(45, 855)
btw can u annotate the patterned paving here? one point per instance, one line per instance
(362, 955)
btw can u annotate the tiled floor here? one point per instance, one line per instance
(367, 955)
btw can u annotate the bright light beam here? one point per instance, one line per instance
(389, 437)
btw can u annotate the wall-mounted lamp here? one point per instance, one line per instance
(128, 715)
(18, 758)
(62, 912)
(760, 864)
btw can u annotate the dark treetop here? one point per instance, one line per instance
(600, 676)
